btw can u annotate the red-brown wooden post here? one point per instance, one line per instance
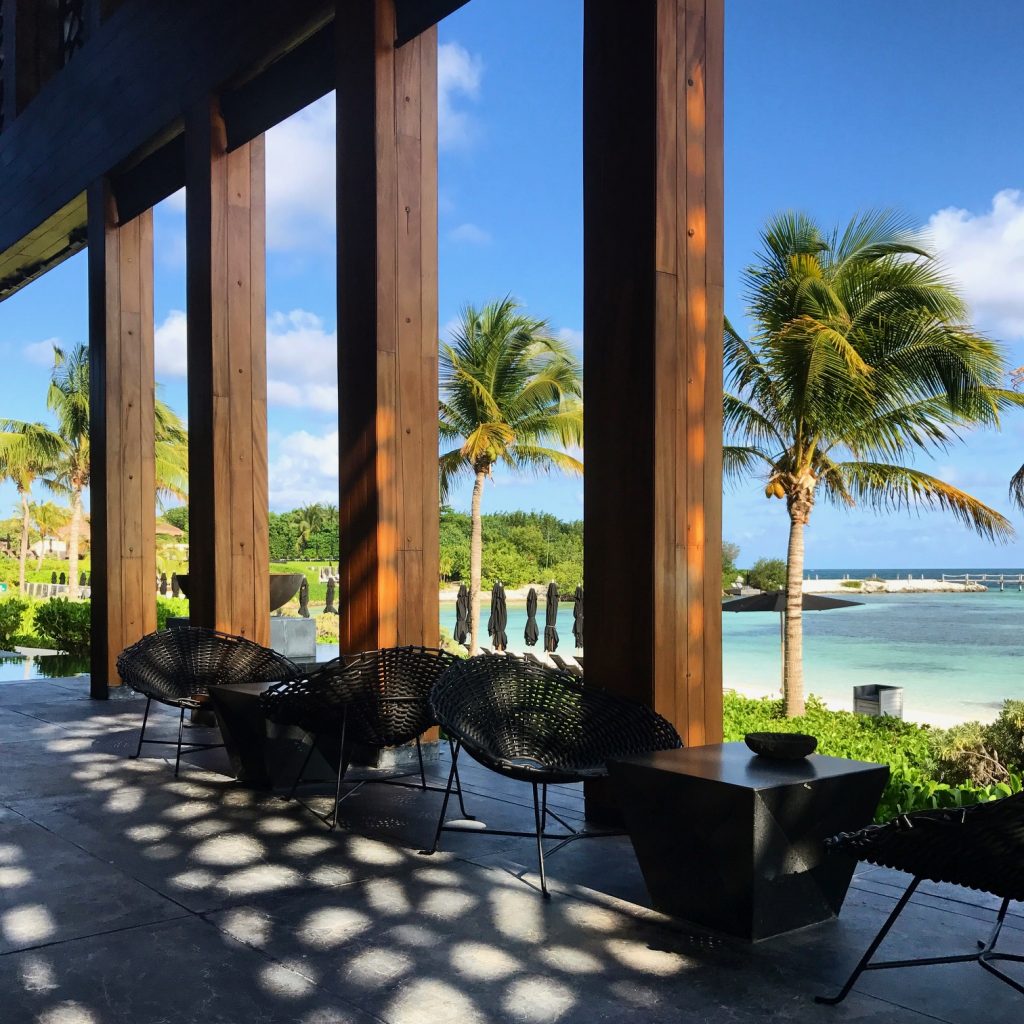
(387, 329)
(653, 138)
(229, 556)
(123, 486)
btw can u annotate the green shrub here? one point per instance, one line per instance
(170, 608)
(767, 574)
(852, 584)
(66, 623)
(1006, 734)
(12, 612)
(906, 747)
(964, 753)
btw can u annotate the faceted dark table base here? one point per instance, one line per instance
(264, 755)
(735, 842)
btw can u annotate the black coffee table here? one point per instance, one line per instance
(263, 755)
(734, 842)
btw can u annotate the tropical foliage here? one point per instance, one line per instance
(511, 395)
(910, 751)
(767, 574)
(65, 450)
(860, 359)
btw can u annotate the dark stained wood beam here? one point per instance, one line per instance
(653, 345)
(123, 487)
(229, 543)
(89, 122)
(387, 330)
(413, 17)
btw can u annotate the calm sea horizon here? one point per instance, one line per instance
(957, 656)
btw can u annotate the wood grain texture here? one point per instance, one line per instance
(652, 344)
(123, 487)
(227, 379)
(387, 329)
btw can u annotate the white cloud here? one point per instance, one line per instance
(459, 74)
(984, 252)
(302, 358)
(300, 178)
(302, 361)
(171, 350)
(41, 352)
(470, 234)
(301, 150)
(572, 337)
(304, 469)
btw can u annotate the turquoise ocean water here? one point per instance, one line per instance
(958, 656)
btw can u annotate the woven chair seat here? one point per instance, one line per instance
(178, 666)
(382, 694)
(539, 724)
(979, 847)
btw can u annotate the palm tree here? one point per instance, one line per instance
(48, 518)
(312, 519)
(509, 390)
(26, 454)
(860, 356)
(68, 399)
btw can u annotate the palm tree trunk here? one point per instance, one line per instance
(476, 543)
(73, 530)
(24, 543)
(793, 652)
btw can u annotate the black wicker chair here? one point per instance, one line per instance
(979, 847)
(178, 666)
(539, 725)
(371, 700)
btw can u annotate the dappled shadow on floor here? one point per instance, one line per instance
(129, 896)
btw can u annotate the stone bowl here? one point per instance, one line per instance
(283, 587)
(781, 746)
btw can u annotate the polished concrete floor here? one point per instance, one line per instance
(129, 897)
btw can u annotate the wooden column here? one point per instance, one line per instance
(123, 487)
(653, 355)
(229, 545)
(387, 330)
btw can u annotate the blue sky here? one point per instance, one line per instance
(829, 108)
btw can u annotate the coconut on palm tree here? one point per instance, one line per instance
(68, 399)
(511, 394)
(26, 454)
(860, 358)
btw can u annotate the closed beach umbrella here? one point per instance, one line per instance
(775, 601)
(531, 633)
(577, 617)
(498, 620)
(551, 619)
(462, 615)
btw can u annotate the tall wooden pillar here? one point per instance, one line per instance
(387, 330)
(229, 544)
(123, 487)
(653, 347)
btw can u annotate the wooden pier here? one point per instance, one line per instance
(987, 579)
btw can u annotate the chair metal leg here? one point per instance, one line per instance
(302, 771)
(341, 771)
(423, 774)
(865, 960)
(181, 729)
(458, 785)
(539, 819)
(444, 803)
(145, 718)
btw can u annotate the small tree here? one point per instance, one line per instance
(767, 574)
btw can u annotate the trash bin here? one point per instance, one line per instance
(876, 699)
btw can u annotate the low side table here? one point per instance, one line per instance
(735, 842)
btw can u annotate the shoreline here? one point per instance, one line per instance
(899, 586)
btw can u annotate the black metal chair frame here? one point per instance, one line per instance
(541, 813)
(187, 702)
(919, 837)
(485, 671)
(396, 778)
